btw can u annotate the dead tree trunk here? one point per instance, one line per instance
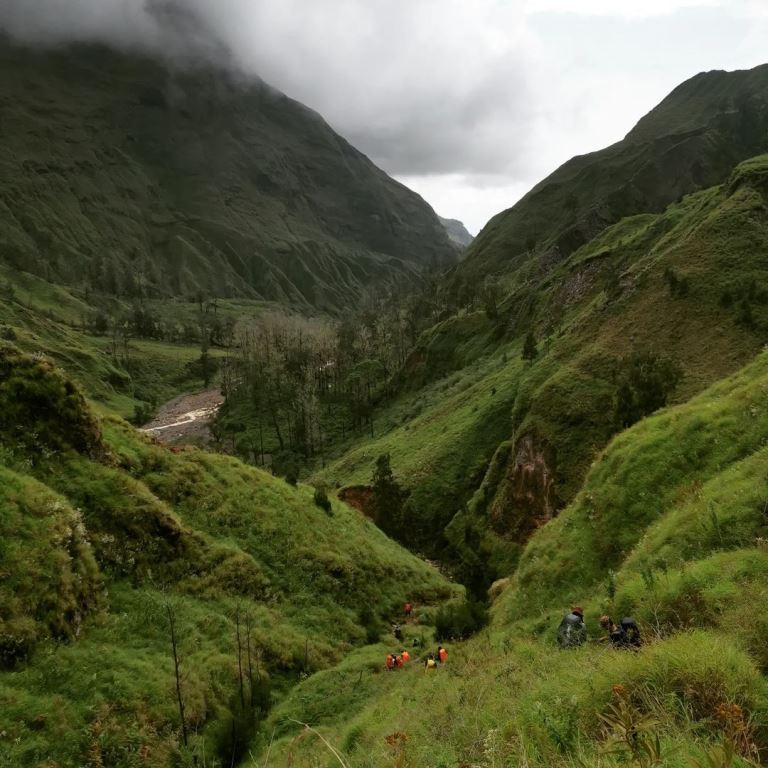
(175, 647)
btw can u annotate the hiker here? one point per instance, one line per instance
(408, 610)
(397, 632)
(572, 631)
(399, 661)
(442, 654)
(430, 663)
(406, 657)
(390, 662)
(626, 634)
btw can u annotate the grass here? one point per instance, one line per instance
(502, 701)
(101, 534)
(465, 392)
(670, 528)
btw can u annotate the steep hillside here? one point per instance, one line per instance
(670, 526)
(122, 176)
(681, 292)
(692, 140)
(105, 538)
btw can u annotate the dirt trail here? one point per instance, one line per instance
(186, 418)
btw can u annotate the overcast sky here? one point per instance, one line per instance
(469, 102)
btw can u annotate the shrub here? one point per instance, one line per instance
(460, 620)
(322, 500)
(645, 386)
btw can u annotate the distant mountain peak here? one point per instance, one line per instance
(457, 232)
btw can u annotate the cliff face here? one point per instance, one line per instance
(526, 497)
(132, 179)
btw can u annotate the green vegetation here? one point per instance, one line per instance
(671, 528)
(560, 416)
(123, 177)
(106, 534)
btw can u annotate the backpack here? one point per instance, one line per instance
(631, 631)
(572, 631)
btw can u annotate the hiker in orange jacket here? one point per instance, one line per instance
(390, 662)
(442, 654)
(405, 656)
(399, 661)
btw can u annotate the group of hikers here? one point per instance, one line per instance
(431, 662)
(572, 631)
(396, 660)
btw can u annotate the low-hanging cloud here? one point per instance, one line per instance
(468, 102)
(422, 86)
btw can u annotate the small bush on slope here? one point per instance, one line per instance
(49, 580)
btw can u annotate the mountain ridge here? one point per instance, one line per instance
(213, 184)
(691, 140)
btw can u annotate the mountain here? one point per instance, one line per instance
(457, 232)
(123, 176)
(669, 527)
(110, 543)
(652, 310)
(691, 141)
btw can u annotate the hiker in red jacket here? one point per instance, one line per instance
(442, 654)
(390, 662)
(408, 610)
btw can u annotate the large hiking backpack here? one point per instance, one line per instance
(631, 632)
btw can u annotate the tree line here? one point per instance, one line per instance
(293, 386)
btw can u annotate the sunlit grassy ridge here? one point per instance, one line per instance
(102, 530)
(670, 527)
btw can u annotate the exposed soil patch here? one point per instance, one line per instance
(357, 496)
(186, 419)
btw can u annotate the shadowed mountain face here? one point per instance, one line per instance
(692, 140)
(123, 176)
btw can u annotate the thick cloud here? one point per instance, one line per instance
(468, 102)
(420, 85)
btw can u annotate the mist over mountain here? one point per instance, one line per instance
(132, 178)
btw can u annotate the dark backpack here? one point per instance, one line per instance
(631, 632)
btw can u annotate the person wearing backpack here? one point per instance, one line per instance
(430, 664)
(625, 634)
(572, 631)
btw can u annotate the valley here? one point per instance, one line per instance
(254, 398)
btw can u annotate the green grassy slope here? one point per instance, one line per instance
(690, 141)
(138, 180)
(468, 403)
(670, 526)
(102, 530)
(41, 317)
